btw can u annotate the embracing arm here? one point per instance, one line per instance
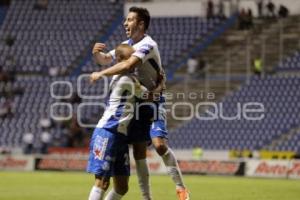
(103, 58)
(118, 68)
(100, 57)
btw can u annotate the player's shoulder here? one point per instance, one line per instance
(146, 43)
(149, 40)
(125, 79)
(126, 42)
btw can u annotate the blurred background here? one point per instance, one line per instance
(219, 55)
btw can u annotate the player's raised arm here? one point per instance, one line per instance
(119, 68)
(101, 57)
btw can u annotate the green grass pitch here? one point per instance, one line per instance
(76, 186)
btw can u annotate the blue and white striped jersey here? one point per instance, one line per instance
(120, 103)
(147, 51)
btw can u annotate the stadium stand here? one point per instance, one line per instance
(291, 144)
(281, 114)
(174, 35)
(54, 36)
(35, 102)
(290, 63)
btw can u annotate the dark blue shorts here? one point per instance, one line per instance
(139, 127)
(149, 122)
(109, 155)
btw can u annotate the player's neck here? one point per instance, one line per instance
(138, 38)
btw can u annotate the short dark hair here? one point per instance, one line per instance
(143, 15)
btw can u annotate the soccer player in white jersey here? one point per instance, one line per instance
(144, 61)
(109, 146)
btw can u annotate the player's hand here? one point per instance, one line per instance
(161, 84)
(160, 77)
(98, 47)
(95, 76)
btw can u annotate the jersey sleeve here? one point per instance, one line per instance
(144, 52)
(140, 91)
(132, 85)
(113, 54)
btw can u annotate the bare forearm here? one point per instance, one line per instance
(102, 58)
(114, 70)
(118, 68)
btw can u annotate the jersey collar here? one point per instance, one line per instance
(131, 43)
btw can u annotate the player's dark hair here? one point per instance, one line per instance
(143, 15)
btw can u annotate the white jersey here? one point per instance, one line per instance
(120, 104)
(147, 51)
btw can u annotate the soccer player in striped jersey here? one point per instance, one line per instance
(109, 148)
(146, 63)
